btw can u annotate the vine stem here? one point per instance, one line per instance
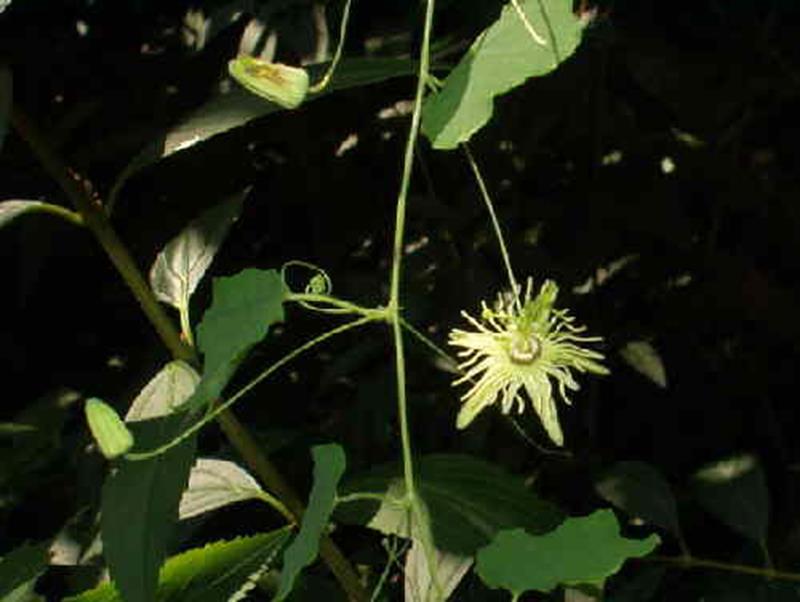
(418, 514)
(95, 219)
(323, 83)
(222, 407)
(706, 563)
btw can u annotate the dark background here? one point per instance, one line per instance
(714, 245)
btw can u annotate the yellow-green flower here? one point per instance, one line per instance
(523, 344)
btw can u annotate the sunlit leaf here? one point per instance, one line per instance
(735, 491)
(214, 484)
(21, 566)
(329, 466)
(468, 501)
(641, 491)
(213, 573)
(6, 96)
(583, 550)
(450, 570)
(140, 507)
(645, 359)
(503, 57)
(165, 392)
(181, 264)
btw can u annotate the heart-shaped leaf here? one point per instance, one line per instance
(583, 550)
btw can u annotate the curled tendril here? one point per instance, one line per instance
(319, 285)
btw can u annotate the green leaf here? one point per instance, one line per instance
(235, 107)
(181, 264)
(503, 57)
(10, 210)
(165, 392)
(22, 565)
(641, 491)
(6, 97)
(735, 491)
(450, 570)
(212, 573)
(645, 359)
(140, 507)
(329, 466)
(468, 501)
(214, 484)
(583, 550)
(244, 306)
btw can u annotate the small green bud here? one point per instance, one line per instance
(109, 431)
(284, 85)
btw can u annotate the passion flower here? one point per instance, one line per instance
(523, 345)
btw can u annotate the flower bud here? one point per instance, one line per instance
(112, 436)
(284, 85)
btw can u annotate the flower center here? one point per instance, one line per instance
(524, 350)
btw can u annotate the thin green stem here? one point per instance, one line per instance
(276, 504)
(337, 306)
(72, 217)
(487, 199)
(707, 563)
(186, 325)
(418, 514)
(337, 55)
(392, 553)
(362, 496)
(94, 218)
(452, 364)
(219, 409)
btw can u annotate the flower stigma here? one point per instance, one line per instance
(519, 352)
